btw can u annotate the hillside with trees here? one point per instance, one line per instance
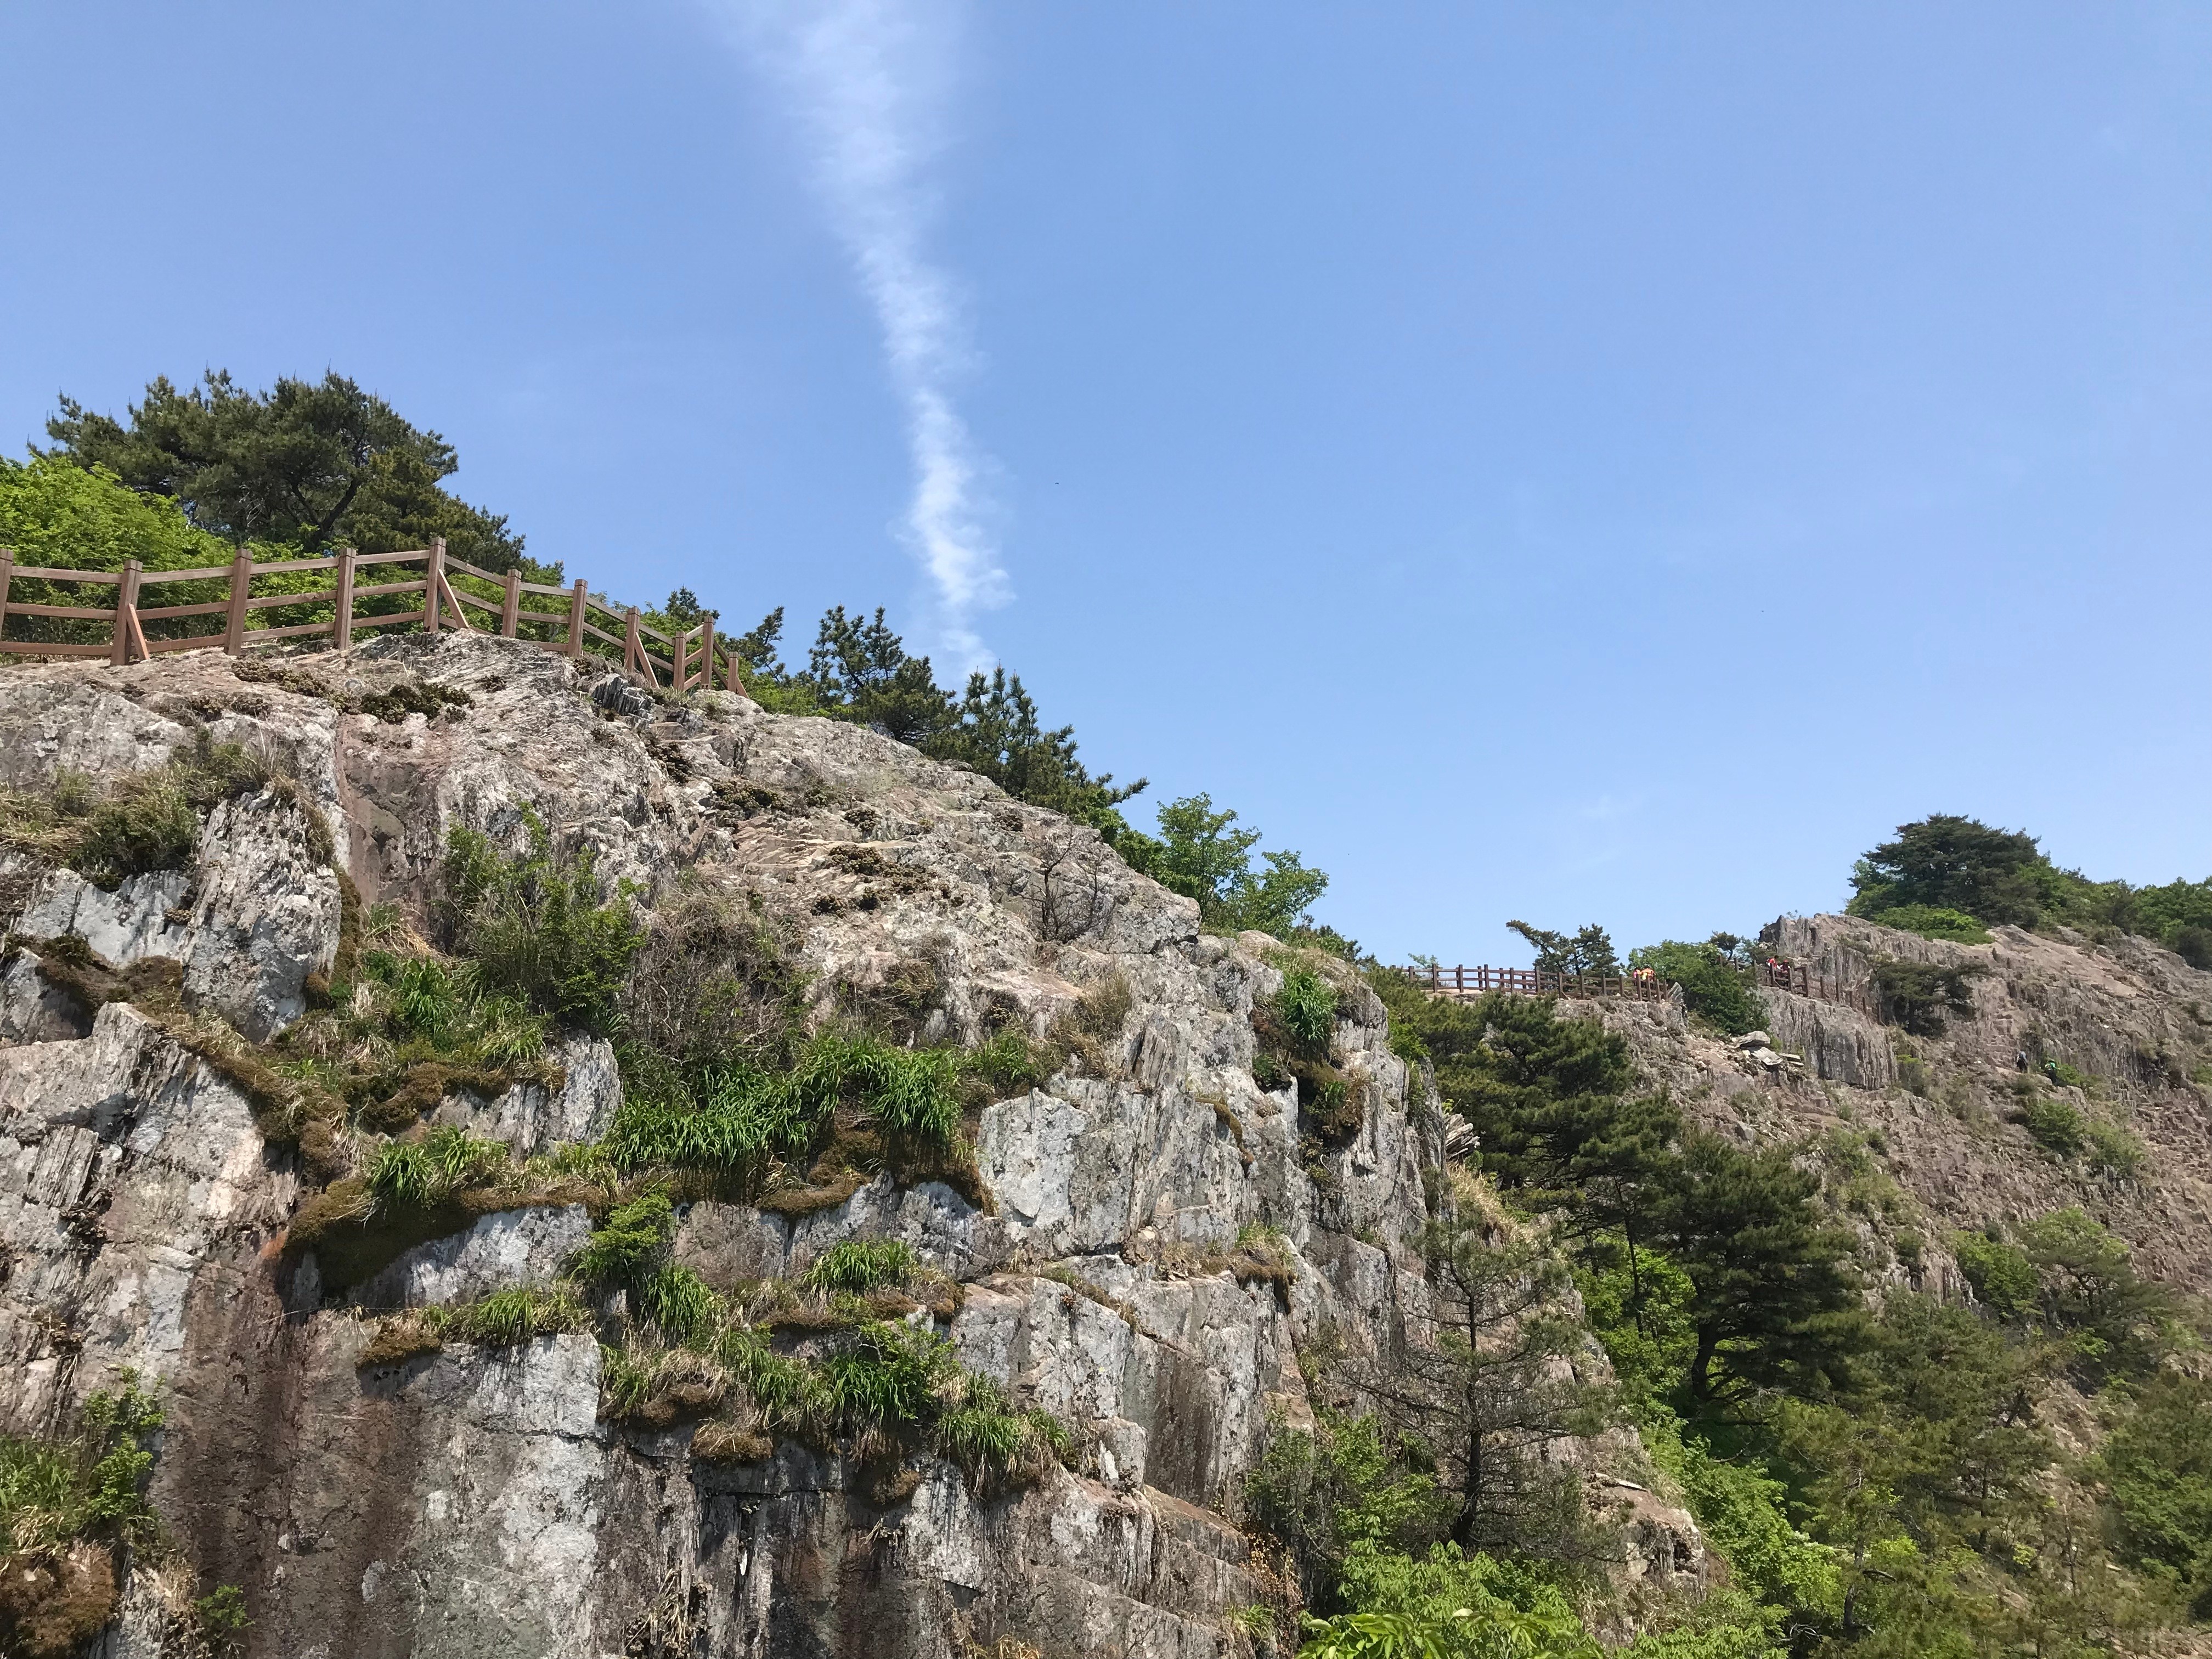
(482, 1043)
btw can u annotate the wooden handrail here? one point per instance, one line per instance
(687, 661)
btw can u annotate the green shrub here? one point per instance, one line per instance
(2157, 1464)
(861, 1264)
(540, 926)
(682, 1304)
(2065, 1076)
(1319, 1492)
(2001, 1274)
(222, 1614)
(988, 1440)
(54, 1493)
(731, 1119)
(1714, 987)
(631, 1241)
(1449, 1604)
(1306, 1006)
(148, 821)
(1933, 921)
(886, 1376)
(1744, 1512)
(2054, 1125)
(2113, 1150)
(1009, 1063)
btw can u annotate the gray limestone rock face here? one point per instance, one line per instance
(514, 1249)
(471, 1501)
(133, 1184)
(532, 1118)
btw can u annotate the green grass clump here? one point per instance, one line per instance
(540, 926)
(887, 1377)
(421, 1174)
(732, 1118)
(55, 1493)
(861, 1265)
(144, 822)
(1305, 1004)
(508, 1318)
(682, 1304)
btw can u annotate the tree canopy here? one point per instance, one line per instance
(1953, 863)
(309, 464)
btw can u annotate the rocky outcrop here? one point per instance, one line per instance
(466, 1501)
(1940, 1114)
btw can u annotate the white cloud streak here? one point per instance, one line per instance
(870, 83)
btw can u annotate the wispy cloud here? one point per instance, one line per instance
(871, 82)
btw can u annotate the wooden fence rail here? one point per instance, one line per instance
(1462, 982)
(449, 589)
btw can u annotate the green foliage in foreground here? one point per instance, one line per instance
(540, 926)
(1882, 1480)
(54, 1493)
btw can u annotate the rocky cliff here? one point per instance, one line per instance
(1146, 1240)
(2072, 1073)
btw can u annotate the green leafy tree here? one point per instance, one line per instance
(994, 728)
(315, 464)
(859, 670)
(1956, 864)
(1345, 1483)
(1589, 951)
(1199, 855)
(1775, 1299)
(1493, 1388)
(1716, 985)
(2157, 1466)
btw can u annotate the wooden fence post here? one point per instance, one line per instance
(576, 619)
(679, 653)
(126, 606)
(341, 625)
(629, 641)
(510, 612)
(7, 580)
(706, 654)
(434, 571)
(242, 585)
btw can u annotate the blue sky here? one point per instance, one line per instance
(1575, 462)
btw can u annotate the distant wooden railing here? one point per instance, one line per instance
(449, 587)
(1457, 982)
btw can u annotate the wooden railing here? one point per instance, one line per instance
(448, 588)
(1457, 982)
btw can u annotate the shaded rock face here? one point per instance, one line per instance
(467, 1501)
(2133, 1019)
